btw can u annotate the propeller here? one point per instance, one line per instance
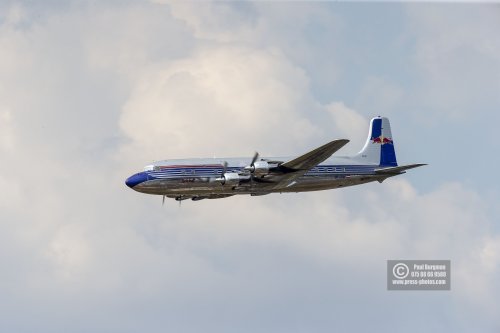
(251, 167)
(224, 169)
(254, 159)
(163, 200)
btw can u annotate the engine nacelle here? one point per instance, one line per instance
(259, 168)
(230, 178)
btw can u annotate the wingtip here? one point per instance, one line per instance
(342, 141)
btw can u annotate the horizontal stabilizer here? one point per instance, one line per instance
(397, 170)
(314, 157)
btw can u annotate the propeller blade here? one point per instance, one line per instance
(254, 159)
(163, 201)
(221, 177)
(251, 167)
(224, 169)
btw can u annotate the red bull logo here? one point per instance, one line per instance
(382, 140)
(387, 140)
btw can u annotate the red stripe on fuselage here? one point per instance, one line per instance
(191, 166)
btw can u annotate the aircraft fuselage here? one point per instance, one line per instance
(196, 178)
(315, 170)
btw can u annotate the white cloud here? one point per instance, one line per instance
(228, 100)
(221, 22)
(380, 97)
(262, 25)
(6, 130)
(349, 124)
(458, 57)
(82, 252)
(14, 15)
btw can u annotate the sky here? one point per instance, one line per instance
(91, 91)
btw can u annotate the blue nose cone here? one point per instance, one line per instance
(136, 179)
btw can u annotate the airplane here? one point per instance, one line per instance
(215, 178)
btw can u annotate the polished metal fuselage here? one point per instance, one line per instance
(197, 178)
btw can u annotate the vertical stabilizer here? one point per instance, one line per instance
(379, 146)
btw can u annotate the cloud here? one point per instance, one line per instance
(235, 98)
(349, 124)
(457, 54)
(89, 94)
(221, 22)
(378, 96)
(6, 136)
(262, 25)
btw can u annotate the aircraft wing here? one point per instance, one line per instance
(396, 170)
(297, 167)
(314, 157)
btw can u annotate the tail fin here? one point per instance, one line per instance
(379, 147)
